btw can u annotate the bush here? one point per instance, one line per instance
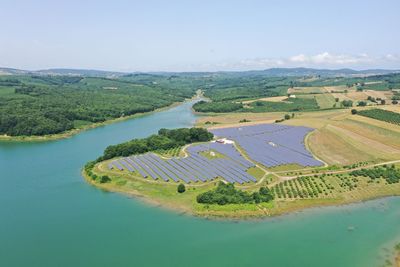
(104, 179)
(287, 117)
(347, 103)
(181, 188)
(227, 194)
(354, 111)
(362, 104)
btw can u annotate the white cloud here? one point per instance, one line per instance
(322, 60)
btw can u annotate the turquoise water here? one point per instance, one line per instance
(50, 217)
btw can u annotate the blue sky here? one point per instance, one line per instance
(155, 35)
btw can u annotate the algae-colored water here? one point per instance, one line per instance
(49, 216)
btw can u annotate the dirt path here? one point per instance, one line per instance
(286, 178)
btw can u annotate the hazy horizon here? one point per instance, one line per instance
(130, 36)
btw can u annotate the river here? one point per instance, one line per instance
(49, 216)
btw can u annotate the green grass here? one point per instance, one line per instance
(173, 152)
(256, 172)
(216, 155)
(286, 167)
(293, 104)
(325, 101)
(382, 115)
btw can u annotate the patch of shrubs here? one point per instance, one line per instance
(390, 174)
(228, 194)
(89, 171)
(181, 188)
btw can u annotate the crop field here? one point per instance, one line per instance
(325, 100)
(382, 115)
(305, 90)
(363, 95)
(270, 99)
(334, 186)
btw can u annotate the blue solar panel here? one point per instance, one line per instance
(272, 144)
(267, 144)
(153, 167)
(137, 168)
(119, 167)
(144, 166)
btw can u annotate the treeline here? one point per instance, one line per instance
(165, 139)
(382, 115)
(41, 105)
(292, 105)
(218, 107)
(228, 194)
(390, 174)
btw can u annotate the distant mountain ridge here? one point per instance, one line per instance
(267, 72)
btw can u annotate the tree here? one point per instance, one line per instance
(383, 102)
(354, 111)
(181, 188)
(104, 179)
(362, 104)
(287, 117)
(395, 102)
(347, 103)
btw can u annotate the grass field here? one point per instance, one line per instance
(305, 90)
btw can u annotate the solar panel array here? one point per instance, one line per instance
(272, 144)
(193, 168)
(268, 144)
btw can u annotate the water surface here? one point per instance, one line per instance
(50, 217)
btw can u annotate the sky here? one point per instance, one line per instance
(160, 35)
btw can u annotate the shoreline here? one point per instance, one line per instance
(280, 208)
(164, 195)
(71, 133)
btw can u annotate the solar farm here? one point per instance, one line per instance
(267, 145)
(272, 144)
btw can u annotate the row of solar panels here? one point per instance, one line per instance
(190, 169)
(272, 144)
(226, 149)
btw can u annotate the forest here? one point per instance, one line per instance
(36, 105)
(41, 105)
(165, 139)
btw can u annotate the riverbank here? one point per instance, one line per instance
(73, 132)
(165, 194)
(397, 256)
